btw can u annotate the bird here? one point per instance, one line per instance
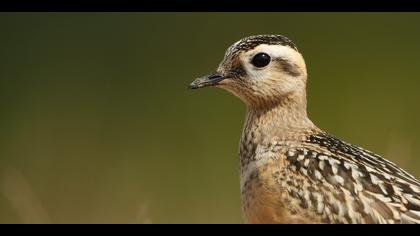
(291, 171)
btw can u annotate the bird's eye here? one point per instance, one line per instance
(261, 60)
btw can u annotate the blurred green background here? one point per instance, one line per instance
(97, 125)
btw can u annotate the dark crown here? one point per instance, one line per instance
(251, 42)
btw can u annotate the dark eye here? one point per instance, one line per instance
(261, 60)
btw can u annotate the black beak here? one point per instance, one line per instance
(208, 80)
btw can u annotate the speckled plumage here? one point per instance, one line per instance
(292, 171)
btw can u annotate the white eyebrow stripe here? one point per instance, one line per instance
(276, 51)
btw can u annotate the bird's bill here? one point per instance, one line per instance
(207, 80)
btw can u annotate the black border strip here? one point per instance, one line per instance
(212, 6)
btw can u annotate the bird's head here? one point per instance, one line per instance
(261, 70)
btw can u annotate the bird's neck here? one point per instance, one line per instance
(267, 129)
(278, 120)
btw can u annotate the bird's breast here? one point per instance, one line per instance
(264, 198)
